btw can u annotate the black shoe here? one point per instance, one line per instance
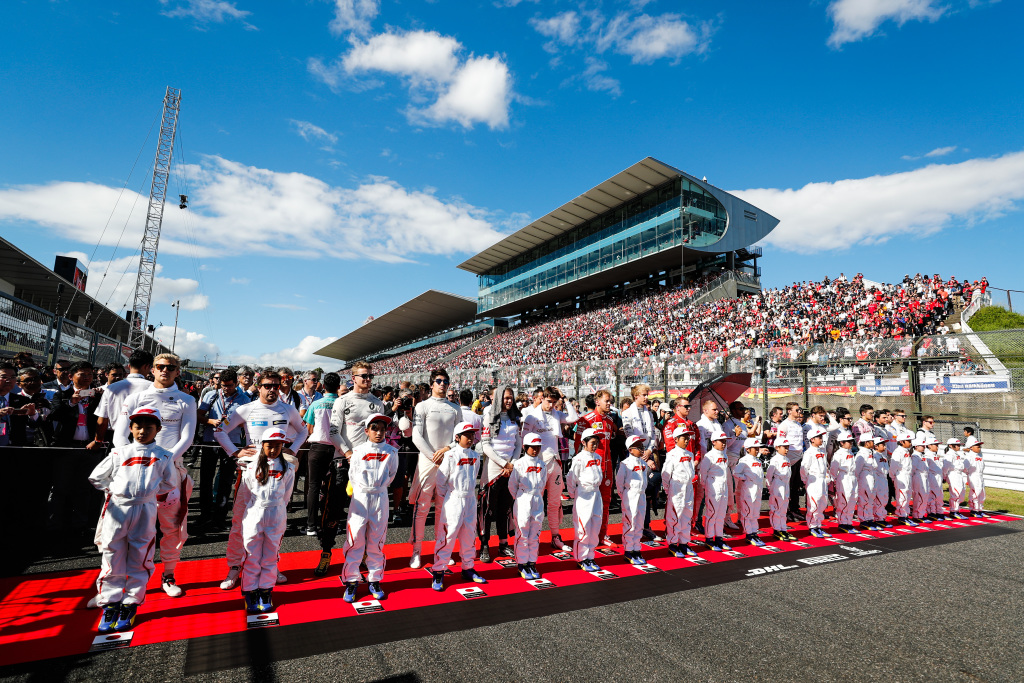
(505, 550)
(323, 565)
(485, 554)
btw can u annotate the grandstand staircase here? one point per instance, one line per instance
(441, 362)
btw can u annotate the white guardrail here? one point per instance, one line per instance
(1004, 469)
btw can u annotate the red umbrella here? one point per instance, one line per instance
(723, 390)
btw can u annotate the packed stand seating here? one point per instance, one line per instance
(420, 359)
(840, 311)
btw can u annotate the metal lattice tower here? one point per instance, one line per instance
(154, 218)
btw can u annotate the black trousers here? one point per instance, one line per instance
(216, 476)
(335, 502)
(317, 463)
(796, 487)
(495, 504)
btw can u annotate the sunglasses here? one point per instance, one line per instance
(270, 386)
(167, 368)
(442, 380)
(366, 376)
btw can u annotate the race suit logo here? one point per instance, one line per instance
(145, 462)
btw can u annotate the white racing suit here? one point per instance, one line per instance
(526, 484)
(677, 480)
(584, 484)
(881, 485)
(934, 481)
(954, 465)
(264, 521)
(749, 484)
(974, 466)
(177, 431)
(844, 470)
(371, 469)
(455, 483)
(814, 471)
(866, 483)
(132, 476)
(548, 426)
(778, 490)
(256, 418)
(631, 483)
(920, 485)
(714, 475)
(433, 428)
(901, 471)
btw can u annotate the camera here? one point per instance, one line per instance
(406, 403)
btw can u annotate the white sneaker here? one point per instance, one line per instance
(451, 561)
(281, 578)
(232, 580)
(171, 588)
(414, 561)
(558, 544)
(93, 602)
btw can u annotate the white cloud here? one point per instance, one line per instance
(855, 20)
(270, 212)
(864, 211)
(187, 344)
(118, 285)
(596, 80)
(647, 39)
(466, 91)
(941, 151)
(300, 357)
(562, 28)
(311, 132)
(354, 16)
(290, 307)
(240, 280)
(208, 11)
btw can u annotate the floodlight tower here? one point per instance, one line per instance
(154, 218)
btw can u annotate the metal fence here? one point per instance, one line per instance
(974, 379)
(24, 327)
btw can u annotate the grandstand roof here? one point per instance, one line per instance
(37, 284)
(620, 188)
(431, 311)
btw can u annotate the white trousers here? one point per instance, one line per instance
(778, 504)
(902, 486)
(634, 507)
(262, 531)
(127, 536)
(921, 493)
(977, 481)
(366, 530)
(817, 499)
(716, 501)
(748, 497)
(846, 498)
(422, 496)
(866, 496)
(236, 547)
(458, 523)
(528, 515)
(679, 512)
(173, 522)
(553, 487)
(956, 489)
(586, 520)
(935, 492)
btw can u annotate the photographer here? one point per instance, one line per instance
(402, 414)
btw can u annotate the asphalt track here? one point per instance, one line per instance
(950, 609)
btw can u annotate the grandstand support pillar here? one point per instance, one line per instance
(730, 260)
(49, 338)
(616, 392)
(667, 396)
(578, 382)
(807, 405)
(914, 382)
(94, 346)
(58, 322)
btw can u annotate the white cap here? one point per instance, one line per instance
(147, 412)
(920, 440)
(532, 440)
(718, 435)
(464, 427)
(816, 430)
(782, 440)
(587, 433)
(680, 431)
(374, 418)
(932, 440)
(844, 435)
(972, 441)
(635, 440)
(751, 442)
(866, 437)
(274, 435)
(905, 435)
(663, 408)
(953, 442)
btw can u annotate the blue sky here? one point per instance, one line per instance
(342, 157)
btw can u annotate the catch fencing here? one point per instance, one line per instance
(48, 337)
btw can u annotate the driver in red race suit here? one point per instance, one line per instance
(600, 420)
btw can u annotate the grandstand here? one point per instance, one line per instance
(647, 229)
